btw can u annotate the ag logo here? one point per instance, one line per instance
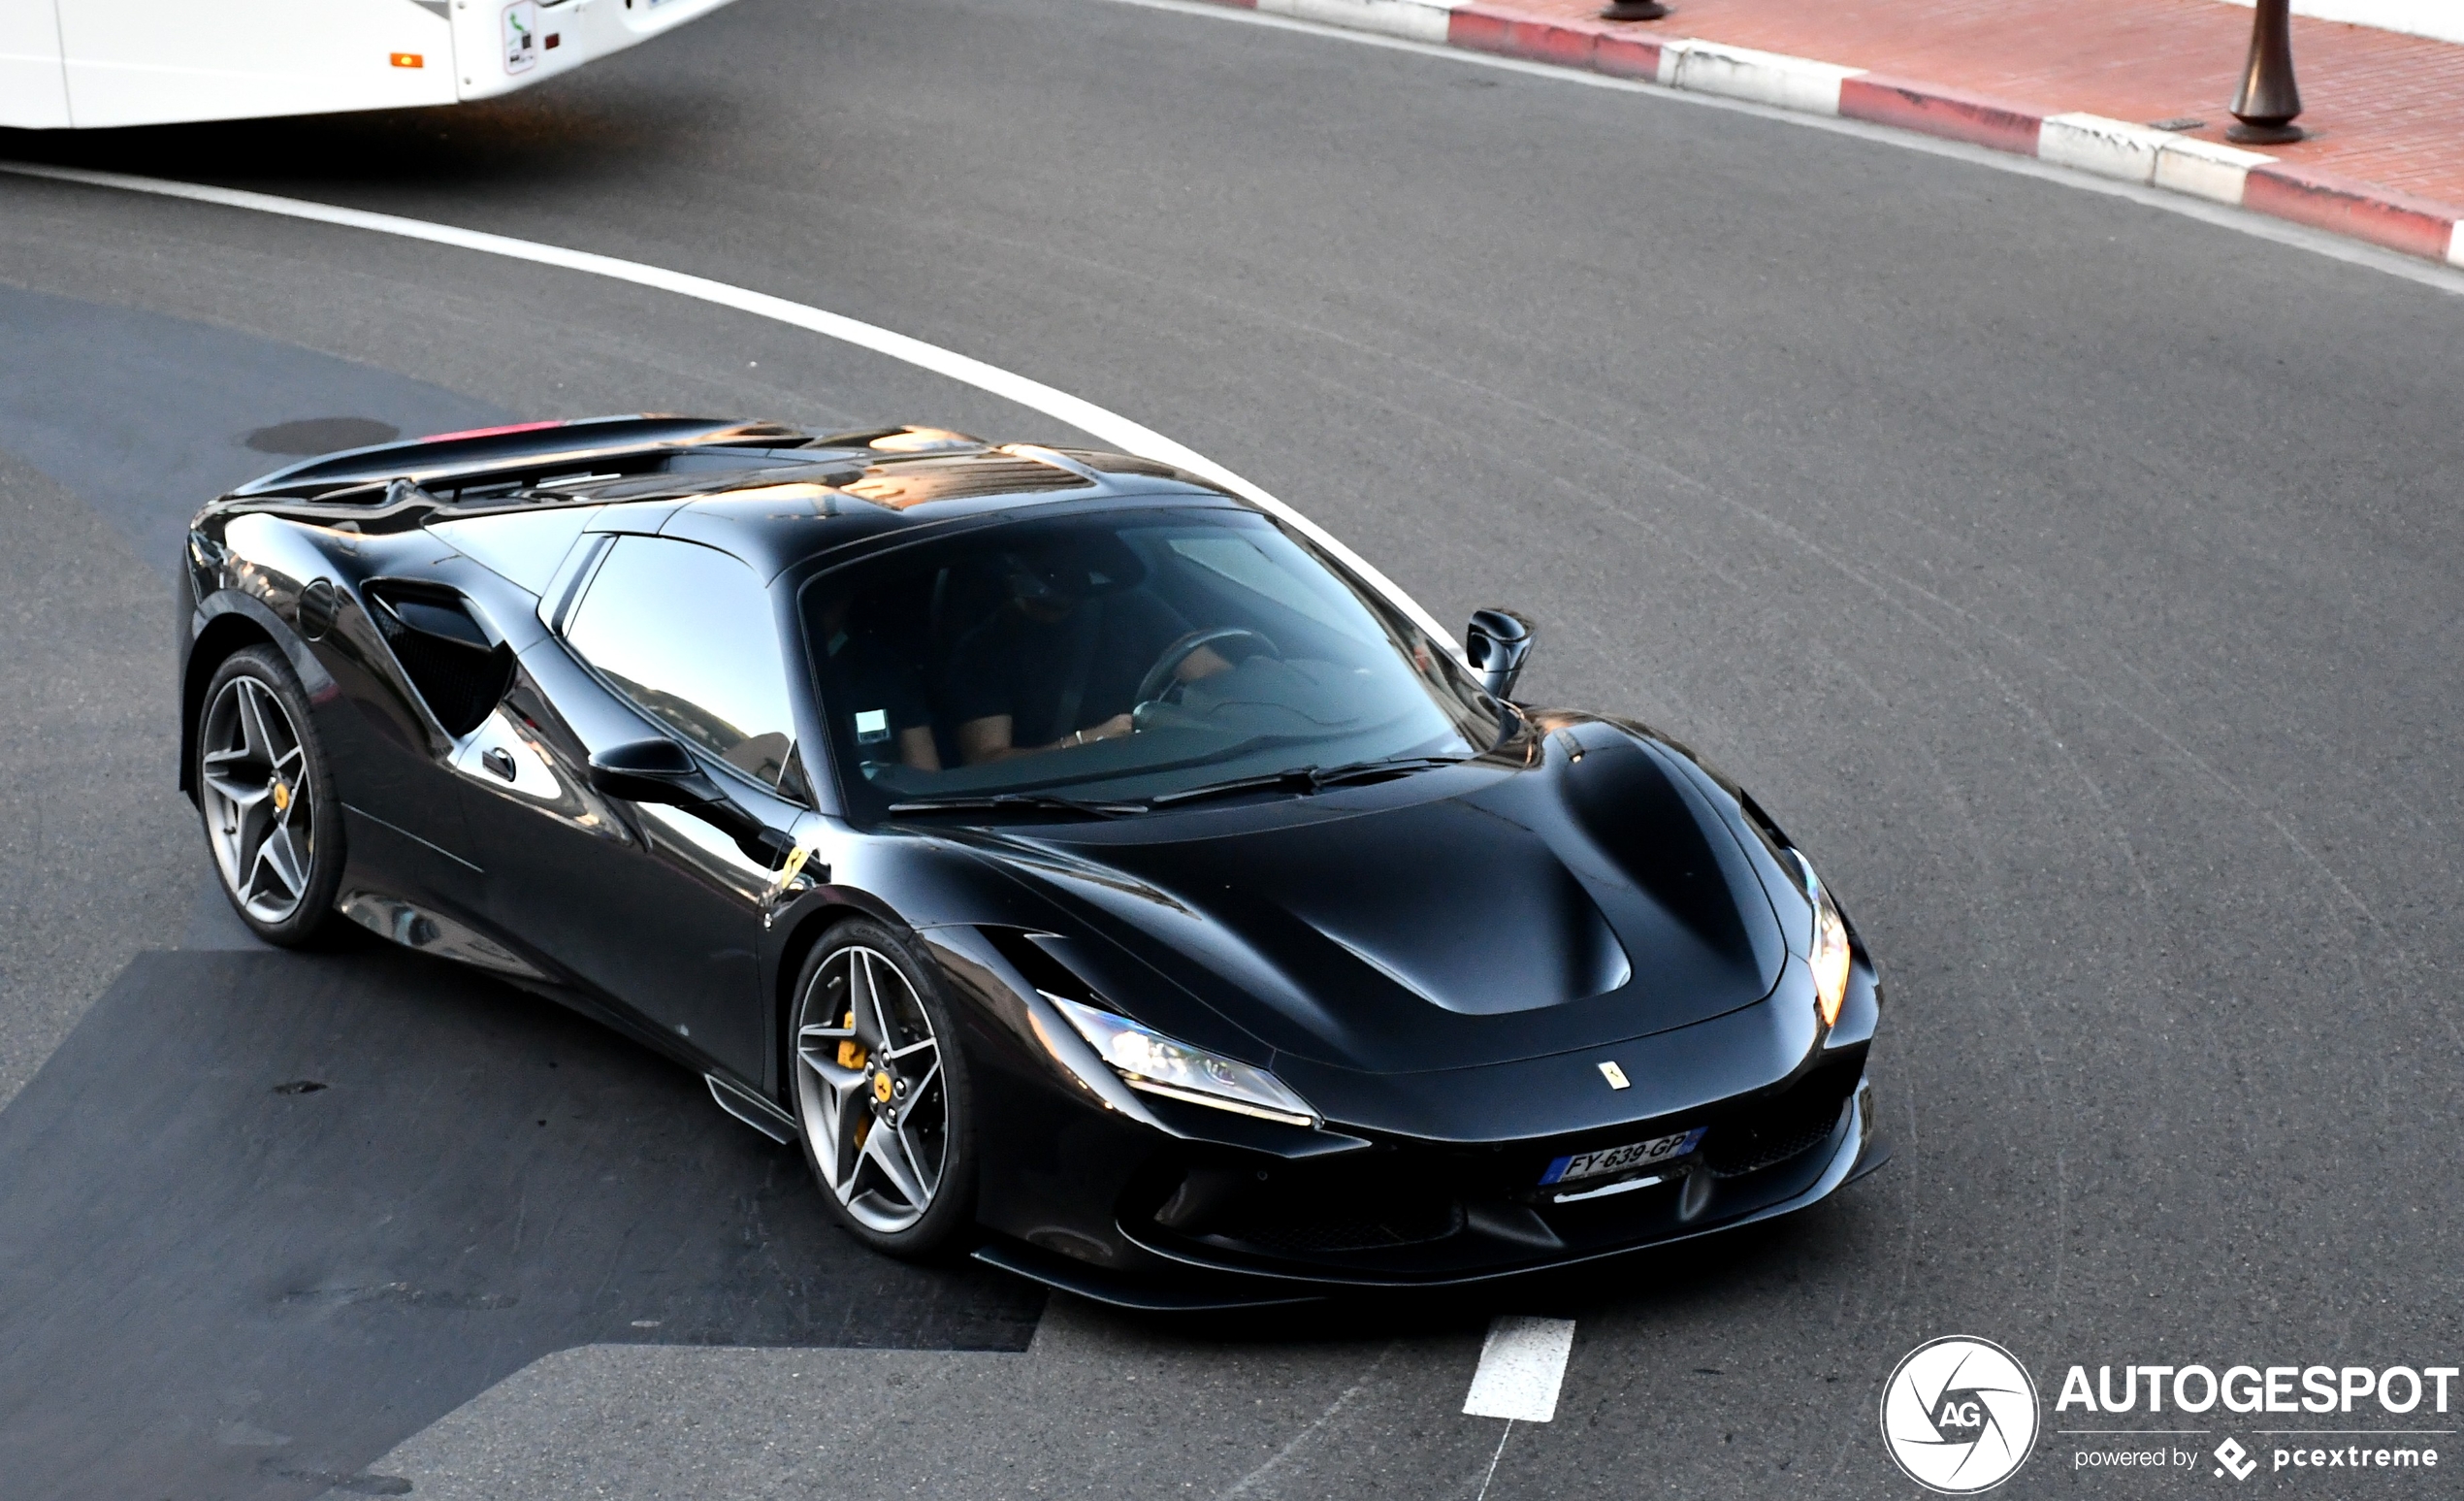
(1959, 1415)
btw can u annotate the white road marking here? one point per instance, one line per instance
(1102, 424)
(1283, 1455)
(1522, 1364)
(1491, 1475)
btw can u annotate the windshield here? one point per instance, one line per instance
(1120, 657)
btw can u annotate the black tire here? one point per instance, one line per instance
(259, 882)
(830, 1112)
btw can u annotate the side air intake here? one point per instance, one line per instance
(450, 658)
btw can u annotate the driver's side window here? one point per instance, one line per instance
(687, 633)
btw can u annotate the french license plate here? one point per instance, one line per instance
(1618, 1159)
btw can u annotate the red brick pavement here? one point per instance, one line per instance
(2383, 108)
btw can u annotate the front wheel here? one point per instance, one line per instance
(881, 1091)
(271, 815)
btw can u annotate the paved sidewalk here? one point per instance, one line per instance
(2078, 82)
(2385, 108)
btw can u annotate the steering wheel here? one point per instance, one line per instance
(1158, 678)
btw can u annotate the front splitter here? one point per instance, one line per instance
(1204, 1289)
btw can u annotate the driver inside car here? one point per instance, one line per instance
(1060, 664)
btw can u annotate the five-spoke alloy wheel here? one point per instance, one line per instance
(262, 788)
(881, 1091)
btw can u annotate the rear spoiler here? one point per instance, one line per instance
(534, 449)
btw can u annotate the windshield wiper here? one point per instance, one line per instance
(992, 802)
(1371, 770)
(1306, 779)
(1301, 779)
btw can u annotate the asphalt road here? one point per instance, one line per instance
(2077, 581)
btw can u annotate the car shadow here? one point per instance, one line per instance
(262, 1216)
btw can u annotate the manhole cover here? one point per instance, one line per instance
(321, 435)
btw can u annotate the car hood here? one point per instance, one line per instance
(1471, 915)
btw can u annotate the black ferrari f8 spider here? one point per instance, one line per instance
(1085, 865)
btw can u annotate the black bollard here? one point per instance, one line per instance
(1634, 10)
(2269, 99)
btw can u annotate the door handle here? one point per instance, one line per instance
(499, 761)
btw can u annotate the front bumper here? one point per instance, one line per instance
(1263, 1251)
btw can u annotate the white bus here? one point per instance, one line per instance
(75, 64)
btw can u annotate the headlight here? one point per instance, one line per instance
(1827, 954)
(1159, 1066)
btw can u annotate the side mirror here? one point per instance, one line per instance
(653, 770)
(1497, 643)
(659, 770)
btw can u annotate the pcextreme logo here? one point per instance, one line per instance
(2231, 1459)
(1959, 1415)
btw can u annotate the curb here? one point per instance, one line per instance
(2113, 149)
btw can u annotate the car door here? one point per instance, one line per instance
(413, 665)
(650, 905)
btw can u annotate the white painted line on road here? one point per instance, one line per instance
(1104, 425)
(1489, 1476)
(1282, 1457)
(1522, 1364)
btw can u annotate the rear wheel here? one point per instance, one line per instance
(881, 1091)
(270, 816)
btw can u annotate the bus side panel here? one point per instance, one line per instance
(505, 45)
(137, 62)
(34, 94)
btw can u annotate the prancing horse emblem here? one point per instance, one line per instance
(1615, 1075)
